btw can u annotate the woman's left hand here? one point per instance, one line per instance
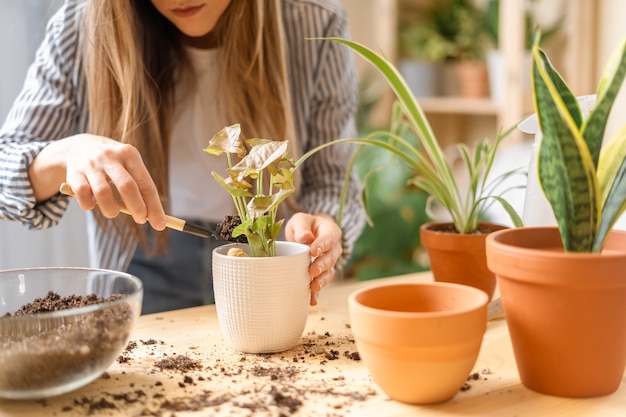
(323, 235)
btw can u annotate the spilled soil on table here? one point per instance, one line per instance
(193, 380)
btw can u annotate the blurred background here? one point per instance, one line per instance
(22, 26)
(438, 45)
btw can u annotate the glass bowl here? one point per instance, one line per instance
(54, 352)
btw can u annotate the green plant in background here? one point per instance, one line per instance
(432, 172)
(460, 21)
(446, 30)
(491, 20)
(584, 183)
(423, 42)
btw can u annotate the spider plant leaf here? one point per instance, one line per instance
(566, 168)
(510, 210)
(411, 108)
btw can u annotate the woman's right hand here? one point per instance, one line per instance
(91, 165)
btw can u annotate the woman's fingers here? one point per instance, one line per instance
(108, 173)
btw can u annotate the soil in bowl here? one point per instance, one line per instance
(54, 351)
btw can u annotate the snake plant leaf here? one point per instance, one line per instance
(566, 169)
(610, 83)
(612, 179)
(568, 98)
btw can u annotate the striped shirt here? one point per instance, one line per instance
(53, 105)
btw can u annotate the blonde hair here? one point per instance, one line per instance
(133, 56)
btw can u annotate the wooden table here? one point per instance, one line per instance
(320, 377)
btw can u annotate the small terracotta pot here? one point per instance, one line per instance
(566, 312)
(419, 340)
(459, 258)
(473, 78)
(262, 302)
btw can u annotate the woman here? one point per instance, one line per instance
(128, 92)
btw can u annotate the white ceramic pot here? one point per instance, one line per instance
(262, 303)
(421, 76)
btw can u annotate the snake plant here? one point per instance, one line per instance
(466, 205)
(584, 182)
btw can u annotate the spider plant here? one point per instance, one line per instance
(433, 170)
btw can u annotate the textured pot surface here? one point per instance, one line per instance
(262, 303)
(459, 258)
(566, 312)
(419, 340)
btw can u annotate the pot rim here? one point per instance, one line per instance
(301, 248)
(545, 248)
(480, 299)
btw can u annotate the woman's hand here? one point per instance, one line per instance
(323, 235)
(91, 164)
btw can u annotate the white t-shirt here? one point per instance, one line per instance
(194, 192)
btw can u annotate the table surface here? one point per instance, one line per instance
(319, 377)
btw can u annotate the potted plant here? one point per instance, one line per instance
(452, 32)
(465, 203)
(461, 22)
(564, 288)
(423, 49)
(261, 286)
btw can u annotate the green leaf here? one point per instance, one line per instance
(612, 179)
(227, 141)
(566, 168)
(610, 84)
(411, 108)
(235, 190)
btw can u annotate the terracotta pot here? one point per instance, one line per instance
(566, 312)
(262, 302)
(419, 341)
(473, 78)
(459, 258)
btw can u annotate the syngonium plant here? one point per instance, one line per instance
(261, 180)
(583, 181)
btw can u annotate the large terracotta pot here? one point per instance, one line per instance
(566, 312)
(262, 302)
(459, 258)
(419, 341)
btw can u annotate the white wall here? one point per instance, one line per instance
(22, 24)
